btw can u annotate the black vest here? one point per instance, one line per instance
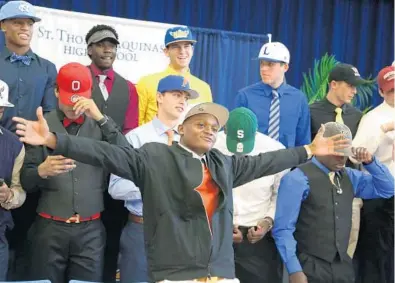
(324, 223)
(117, 102)
(78, 191)
(10, 147)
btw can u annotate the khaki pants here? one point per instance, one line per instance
(355, 223)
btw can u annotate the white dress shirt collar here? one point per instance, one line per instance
(194, 154)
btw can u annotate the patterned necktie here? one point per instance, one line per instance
(24, 59)
(170, 136)
(274, 117)
(339, 118)
(103, 87)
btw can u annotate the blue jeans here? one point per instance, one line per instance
(4, 254)
(133, 258)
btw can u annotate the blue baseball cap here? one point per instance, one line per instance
(18, 10)
(172, 82)
(177, 34)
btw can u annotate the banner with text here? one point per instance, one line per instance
(60, 38)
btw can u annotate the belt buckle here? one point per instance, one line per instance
(74, 219)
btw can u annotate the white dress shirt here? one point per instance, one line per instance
(257, 199)
(371, 136)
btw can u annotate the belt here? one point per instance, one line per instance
(76, 218)
(209, 279)
(136, 219)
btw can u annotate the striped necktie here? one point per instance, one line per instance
(274, 117)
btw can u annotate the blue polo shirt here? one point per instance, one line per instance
(294, 111)
(30, 86)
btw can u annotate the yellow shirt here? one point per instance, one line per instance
(147, 88)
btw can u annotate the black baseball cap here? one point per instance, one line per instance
(346, 73)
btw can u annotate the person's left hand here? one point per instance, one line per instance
(5, 193)
(255, 234)
(237, 235)
(322, 146)
(89, 107)
(361, 154)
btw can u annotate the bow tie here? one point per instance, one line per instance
(67, 122)
(24, 59)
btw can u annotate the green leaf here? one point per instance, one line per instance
(315, 83)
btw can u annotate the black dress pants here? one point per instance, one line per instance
(376, 242)
(114, 218)
(320, 271)
(24, 217)
(259, 262)
(61, 251)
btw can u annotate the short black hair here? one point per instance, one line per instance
(100, 28)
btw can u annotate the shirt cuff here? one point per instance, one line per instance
(372, 165)
(61, 144)
(293, 265)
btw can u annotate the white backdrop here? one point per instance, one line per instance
(60, 38)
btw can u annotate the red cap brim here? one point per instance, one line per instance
(388, 85)
(69, 99)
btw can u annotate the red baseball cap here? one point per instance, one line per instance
(74, 80)
(386, 78)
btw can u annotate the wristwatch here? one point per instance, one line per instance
(103, 120)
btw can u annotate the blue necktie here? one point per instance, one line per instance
(274, 117)
(24, 59)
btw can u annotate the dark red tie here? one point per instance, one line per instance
(67, 122)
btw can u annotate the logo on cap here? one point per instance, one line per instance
(356, 72)
(179, 33)
(201, 109)
(107, 33)
(389, 76)
(74, 98)
(185, 82)
(23, 8)
(240, 147)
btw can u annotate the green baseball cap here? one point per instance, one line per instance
(241, 129)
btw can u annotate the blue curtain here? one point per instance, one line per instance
(224, 59)
(359, 32)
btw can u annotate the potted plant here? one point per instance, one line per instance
(315, 84)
